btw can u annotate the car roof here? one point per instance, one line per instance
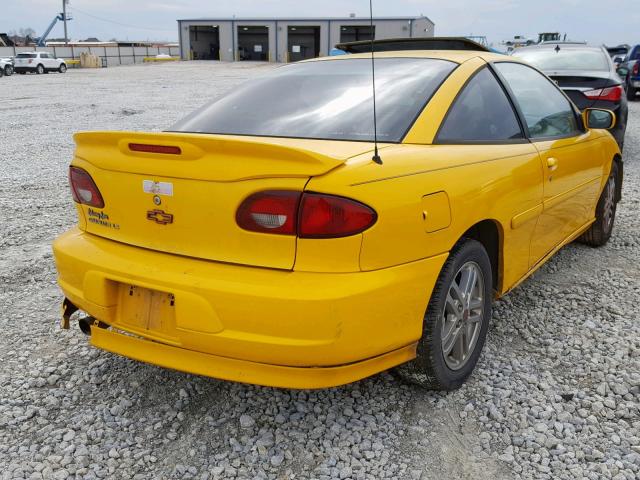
(457, 56)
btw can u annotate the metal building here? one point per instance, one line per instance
(286, 39)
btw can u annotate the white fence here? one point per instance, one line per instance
(114, 55)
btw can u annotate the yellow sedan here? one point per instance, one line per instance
(258, 240)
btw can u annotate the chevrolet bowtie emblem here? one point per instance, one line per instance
(160, 217)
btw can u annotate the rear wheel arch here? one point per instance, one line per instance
(489, 233)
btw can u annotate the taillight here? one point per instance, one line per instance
(327, 216)
(84, 189)
(307, 215)
(635, 69)
(272, 211)
(612, 94)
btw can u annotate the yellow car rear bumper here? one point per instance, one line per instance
(225, 368)
(270, 327)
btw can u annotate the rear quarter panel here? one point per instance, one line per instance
(483, 182)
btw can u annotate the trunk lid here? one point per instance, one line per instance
(575, 82)
(185, 203)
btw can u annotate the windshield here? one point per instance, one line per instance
(327, 100)
(565, 59)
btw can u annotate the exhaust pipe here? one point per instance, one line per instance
(85, 324)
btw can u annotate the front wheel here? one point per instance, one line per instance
(63, 68)
(8, 70)
(456, 322)
(600, 231)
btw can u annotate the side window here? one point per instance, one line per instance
(44, 55)
(481, 113)
(546, 110)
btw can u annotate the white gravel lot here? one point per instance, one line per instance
(556, 394)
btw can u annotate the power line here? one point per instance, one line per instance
(118, 23)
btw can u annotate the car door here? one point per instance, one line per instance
(43, 58)
(570, 159)
(483, 124)
(50, 62)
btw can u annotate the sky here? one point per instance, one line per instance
(591, 20)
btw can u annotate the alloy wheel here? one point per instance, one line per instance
(463, 315)
(609, 203)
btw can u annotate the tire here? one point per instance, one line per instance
(62, 68)
(40, 69)
(631, 93)
(1, 72)
(452, 317)
(8, 70)
(600, 231)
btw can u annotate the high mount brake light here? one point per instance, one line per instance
(83, 188)
(611, 94)
(307, 215)
(166, 149)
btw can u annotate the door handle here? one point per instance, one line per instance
(552, 164)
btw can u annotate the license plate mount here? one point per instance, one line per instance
(147, 310)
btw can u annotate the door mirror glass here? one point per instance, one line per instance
(597, 118)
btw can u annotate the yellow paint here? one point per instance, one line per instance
(217, 300)
(163, 59)
(436, 212)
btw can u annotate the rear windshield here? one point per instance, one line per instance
(327, 100)
(26, 55)
(565, 59)
(617, 52)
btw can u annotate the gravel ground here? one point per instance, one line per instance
(556, 394)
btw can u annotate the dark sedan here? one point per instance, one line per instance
(586, 74)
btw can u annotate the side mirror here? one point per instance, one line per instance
(599, 118)
(622, 71)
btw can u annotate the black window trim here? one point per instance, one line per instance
(514, 141)
(581, 129)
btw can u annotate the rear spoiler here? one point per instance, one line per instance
(424, 43)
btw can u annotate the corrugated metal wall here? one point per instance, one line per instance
(114, 55)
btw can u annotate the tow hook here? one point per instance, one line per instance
(68, 309)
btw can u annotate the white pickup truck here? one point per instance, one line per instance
(38, 62)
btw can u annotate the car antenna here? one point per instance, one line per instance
(376, 158)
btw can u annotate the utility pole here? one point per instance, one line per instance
(64, 18)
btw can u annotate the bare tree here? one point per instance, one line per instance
(26, 32)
